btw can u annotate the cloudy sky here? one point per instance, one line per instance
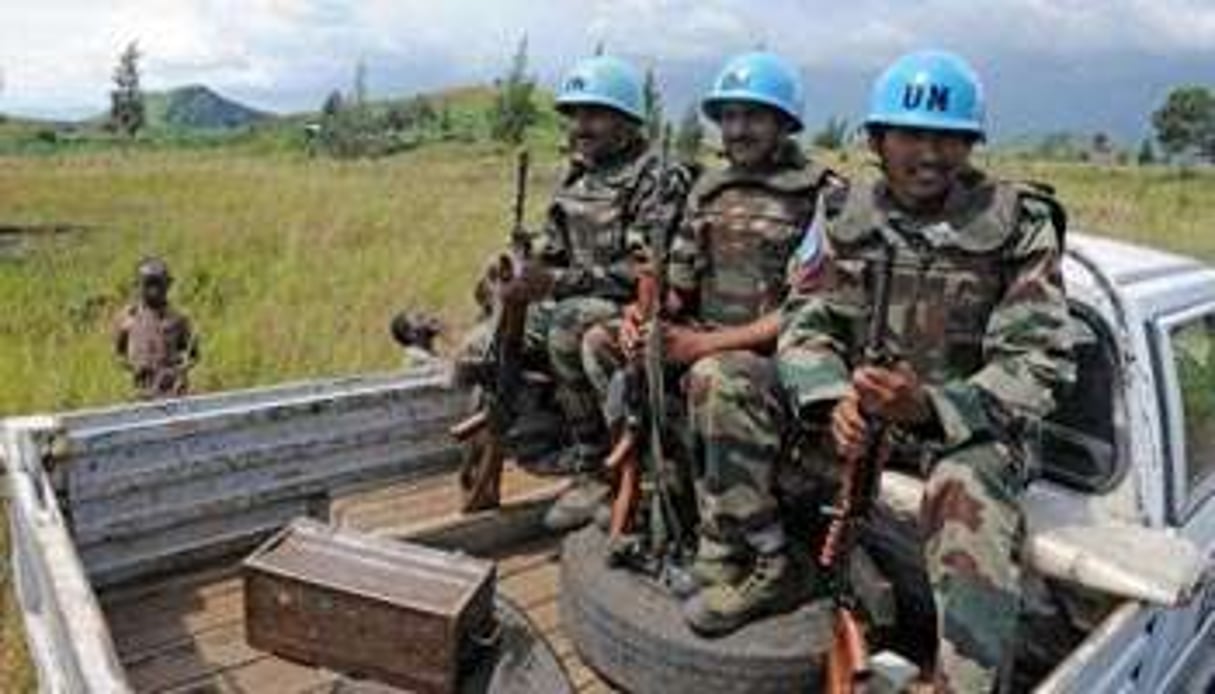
(1048, 65)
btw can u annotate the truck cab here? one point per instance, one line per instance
(1125, 508)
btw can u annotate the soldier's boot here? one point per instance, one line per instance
(716, 563)
(577, 505)
(773, 584)
(769, 588)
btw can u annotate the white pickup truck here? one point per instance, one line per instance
(125, 521)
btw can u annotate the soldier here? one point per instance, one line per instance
(727, 278)
(977, 337)
(152, 340)
(596, 220)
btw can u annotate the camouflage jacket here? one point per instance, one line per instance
(598, 218)
(977, 305)
(730, 254)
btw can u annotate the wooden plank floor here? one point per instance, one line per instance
(186, 634)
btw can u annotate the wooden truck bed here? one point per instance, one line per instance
(186, 633)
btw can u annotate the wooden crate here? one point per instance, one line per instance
(366, 606)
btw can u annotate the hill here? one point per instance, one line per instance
(197, 107)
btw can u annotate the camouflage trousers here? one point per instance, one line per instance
(734, 418)
(554, 331)
(973, 526)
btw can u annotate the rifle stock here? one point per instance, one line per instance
(848, 660)
(645, 387)
(624, 460)
(482, 432)
(469, 426)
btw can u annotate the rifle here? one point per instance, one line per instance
(484, 430)
(644, 397)
(848, 660)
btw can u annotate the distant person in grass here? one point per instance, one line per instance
(152, 340)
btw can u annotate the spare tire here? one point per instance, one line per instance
(631, 631)
(521, 662)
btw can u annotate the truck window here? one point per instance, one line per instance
(1076, 445)
(1193, 345)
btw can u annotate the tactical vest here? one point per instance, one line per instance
(746, 228)
(949, 273)
(595, 208)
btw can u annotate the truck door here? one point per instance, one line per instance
(1185, 355)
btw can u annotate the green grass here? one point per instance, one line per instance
(291, 267)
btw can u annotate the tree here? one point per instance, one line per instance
(445, 121)
(653, 106)
(514, 109)
(359, 89)
(333, 104)
(1147, 154)
(127, 112)
(397, 118)
(691, 133)
(833, 135)
(1186, 122)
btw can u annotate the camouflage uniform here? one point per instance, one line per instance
(978, 310)
(597, 218)
(158, 347)
(729, 257)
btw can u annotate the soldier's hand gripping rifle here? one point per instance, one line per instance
(848, 660)
(640, 430)
(504, 375)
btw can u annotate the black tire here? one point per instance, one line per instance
(631, 631)
(521, 662)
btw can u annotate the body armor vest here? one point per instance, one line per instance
(594, 209)
(949, 272)
(746, 228)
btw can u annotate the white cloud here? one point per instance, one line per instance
(58, 54)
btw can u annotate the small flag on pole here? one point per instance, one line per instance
(810, 258)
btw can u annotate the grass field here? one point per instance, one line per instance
(291, 267)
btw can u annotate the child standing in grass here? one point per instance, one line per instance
(152, 340)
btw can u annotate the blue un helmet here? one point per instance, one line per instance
(603, 81)
(934, 90)
(762, 78)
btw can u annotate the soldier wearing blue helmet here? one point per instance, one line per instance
(975, 347)
(727, 275)
(597, 220)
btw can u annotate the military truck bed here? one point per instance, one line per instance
(185, 633)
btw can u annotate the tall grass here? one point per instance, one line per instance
(289, 267)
